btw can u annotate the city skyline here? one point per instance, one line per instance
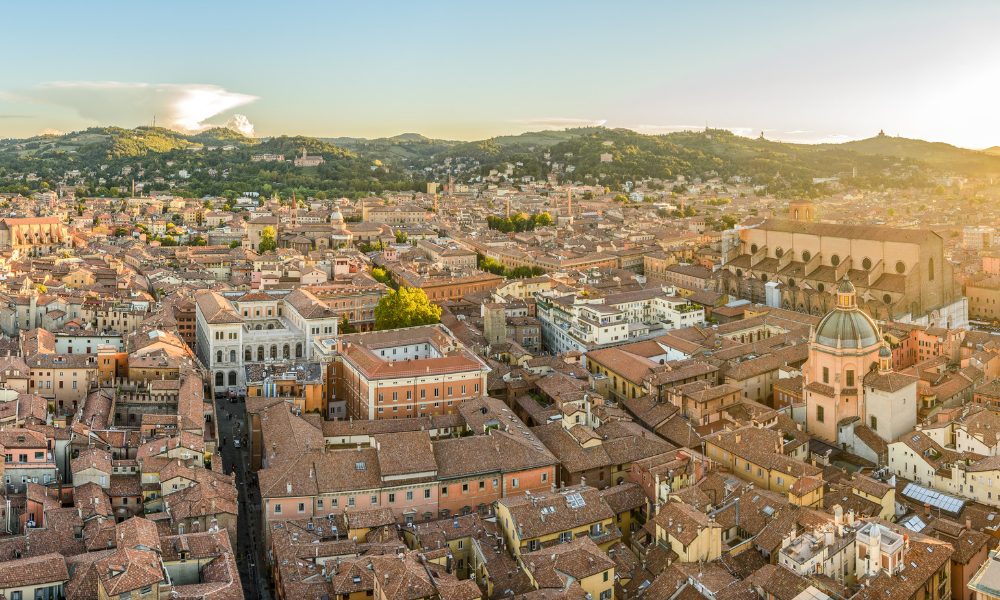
(793, 73)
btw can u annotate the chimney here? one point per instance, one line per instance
(968, 524)
(927, 508)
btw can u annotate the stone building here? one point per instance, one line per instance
(900, 274)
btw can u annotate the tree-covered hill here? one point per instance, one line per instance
(936, 154)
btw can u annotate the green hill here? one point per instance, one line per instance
(937, 154)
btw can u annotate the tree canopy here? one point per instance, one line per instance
(405, 307)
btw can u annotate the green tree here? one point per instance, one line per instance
(381, 275)
(121, 232)
(42, 289)
(207, 204)
(891, 212)
(621, 198)
(168, 241)
(689, 212)
(97, 221)
(234, 244)
(401, 237)
(543, 219)
(345, 326)
(939, 190)
(177, 218)
(405, 307)
(267, 242)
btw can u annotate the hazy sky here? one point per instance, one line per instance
(798, 71)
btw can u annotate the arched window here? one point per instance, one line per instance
(248, 355)
(232, 356)
(274, 351)
(218, 356)
(796, 214)
(286, 351)
(257, 327)
(298, 350)
(270, 325)
(232, 378)
(220, 379)
(260, 352)
(930, 270)
(778, 252)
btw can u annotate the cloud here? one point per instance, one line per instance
(241, 124)
(561, 123)
(17, 116)
(50, 131)
(184, 107)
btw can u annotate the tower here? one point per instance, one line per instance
(801, 209)
(508, 207)
(569, 204)
(494, 324)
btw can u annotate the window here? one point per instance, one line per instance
(465, 488)
(449, 391)
(277, 509)
(874, 420)
(374, 500)
(392, 498)
(545, 477)
(319, 504)
(39, 456)
(835, 260)
(850, 378)
(444, 491)
(826, 374)
(513, 482)
(819, 414)
(302, 507)
(427, 494)
(350, 501)
(900, 267)
(930, 270)
(409, 496)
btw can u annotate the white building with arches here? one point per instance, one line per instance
(258, 327)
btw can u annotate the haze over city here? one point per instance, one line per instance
(795, 71)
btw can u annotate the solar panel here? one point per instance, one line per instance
(935, 499)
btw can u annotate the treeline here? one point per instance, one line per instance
(519, 222)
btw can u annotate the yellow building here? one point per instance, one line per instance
(78, 278)
(758, 456)
(687, 532)
(540, 520)
(580, 561)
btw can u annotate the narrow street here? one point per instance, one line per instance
(249, 551)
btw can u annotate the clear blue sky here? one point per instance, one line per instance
(467, 70)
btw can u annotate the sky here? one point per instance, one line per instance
(796, 71)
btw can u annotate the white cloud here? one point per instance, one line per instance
(184, 107)
(561, 123)
(241, 124)
(50, 131)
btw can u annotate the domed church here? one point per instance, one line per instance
(844, 349)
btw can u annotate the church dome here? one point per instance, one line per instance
(846, 326)
(885, 352)
(336, 216)
(847, 329)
